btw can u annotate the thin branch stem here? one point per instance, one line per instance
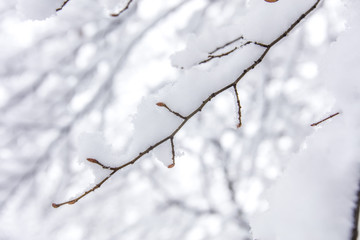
(331, 116)
(197, 110)
(172, 153)
(122, 10)
(226, 44)
(93, 160)
(239, 106)
(161, 104)
(211, 56)
(62, 6)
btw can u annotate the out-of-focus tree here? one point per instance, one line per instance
(84, 70)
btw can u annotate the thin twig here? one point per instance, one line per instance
(172, 153)
(331, 116)
(239, 106)
(62, 6)
(161, 104)
(122, 10)
(227, 44)
(93, 160)
(198, 109)
(211, 56)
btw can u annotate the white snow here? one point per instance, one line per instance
(38, 9)
(264, 23)
(314, 198)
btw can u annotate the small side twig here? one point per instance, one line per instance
(62, 6)
(226, 44)
(172, 153)
(211, 56)
(122, 10)
(161, 104)
(93, 160)
(239, 106)
(331, 116)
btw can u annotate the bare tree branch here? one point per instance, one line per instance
(211, 55)
(122, 10)
(161, 104)
(199, 108)
(92, 160)
(227, 44)
(172, 153)
(331, 116)
(62, 6)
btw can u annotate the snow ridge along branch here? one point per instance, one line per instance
(171, 136)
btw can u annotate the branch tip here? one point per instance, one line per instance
(54, 205)
(161, 104)
(93, 160)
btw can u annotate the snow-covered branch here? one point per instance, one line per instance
(185, 118)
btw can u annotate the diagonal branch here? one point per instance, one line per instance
(211, 56)
(239, 106)
(62, 6)
(198, 109)
(331, 116)
(227, 44)
(122, 10)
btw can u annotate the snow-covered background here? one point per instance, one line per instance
(78, 83)
(316, 196)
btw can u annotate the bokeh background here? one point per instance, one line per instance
(85, 71)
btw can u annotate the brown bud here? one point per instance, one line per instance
(271, 1)
(238, 125)
(54, 205)
(161, 104)
(171, 165)
(92, 160)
